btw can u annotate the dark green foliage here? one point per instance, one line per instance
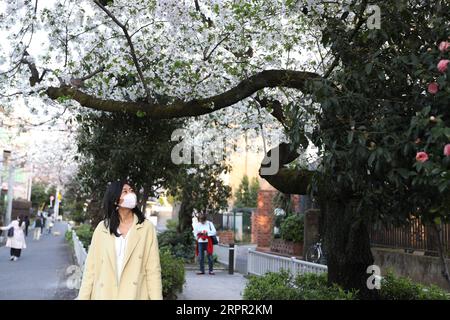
(84, 233)
(292, 228)
(40, 194)
(200, 189)
(120, 145)
(172, 273)
(402, 288)
(310, 286)
(283, 286)
(271, 286)
(180, 245)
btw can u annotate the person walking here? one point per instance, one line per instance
(123, 258)
(37, 227)
(203, 230)
(27, 225)
(44, 222)
(16, 240)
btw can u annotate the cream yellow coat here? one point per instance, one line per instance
(141, 272)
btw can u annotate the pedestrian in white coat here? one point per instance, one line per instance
(17, 241)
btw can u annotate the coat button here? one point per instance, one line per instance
(135, 283)
(140, 257)
(101, 285)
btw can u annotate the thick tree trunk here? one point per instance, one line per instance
(144, 200)
(185, 216)
(438, 238)
(347, 245)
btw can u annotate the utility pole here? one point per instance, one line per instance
(30, 183)
(56, 210)
(10, 194)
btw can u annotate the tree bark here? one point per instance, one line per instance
(347, 246)
(177, 109)
(438, 234)
(286, 180)
(184, 216)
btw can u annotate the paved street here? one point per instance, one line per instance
(221, 286)
(39, 274)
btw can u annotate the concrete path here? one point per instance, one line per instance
(221, 286)
(40, 273)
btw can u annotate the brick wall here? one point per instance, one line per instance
(296, 205)
(311, 227)
(226, 236)
(262, 219)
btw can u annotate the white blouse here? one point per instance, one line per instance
(121, 246)
(201, 227)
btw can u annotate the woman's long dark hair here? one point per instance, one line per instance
(110, 206)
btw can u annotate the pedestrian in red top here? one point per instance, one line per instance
(203, 231)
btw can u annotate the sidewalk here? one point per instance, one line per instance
(221, 286)
(40, 273)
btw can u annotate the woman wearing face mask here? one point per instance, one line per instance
(123, 258)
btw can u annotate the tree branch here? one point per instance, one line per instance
(34, 78)
(177, 109)
(204, 18)
(130, 44)
(286, 180)
(352, 35)
(79, 82)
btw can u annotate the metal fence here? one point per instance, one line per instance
(260, 263)
(413, 237)
(80, 251)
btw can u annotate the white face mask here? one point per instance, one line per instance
(129, 201)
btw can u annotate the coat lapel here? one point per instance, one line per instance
(133, 240)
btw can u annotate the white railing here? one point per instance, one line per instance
(260, 263)
(80, 251)
(222, 251)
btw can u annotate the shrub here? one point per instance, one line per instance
(181, 245)
(402, 288)
(68, 237)
(313, 286)
(292, 228)
(84, 233)
(283, 286)
(172, 274)
(271, 286)
(78, 216)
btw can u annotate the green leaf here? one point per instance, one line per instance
(371, 158)
(350, 136)
(368, 68)
(403, 172)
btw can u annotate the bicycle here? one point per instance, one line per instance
(315, 254)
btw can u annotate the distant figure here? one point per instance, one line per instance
(17, 241)
(203, 231)
(37, 227)
(27, 224)
(44, 220)
(50, 224)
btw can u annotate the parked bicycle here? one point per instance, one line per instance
(315, 254)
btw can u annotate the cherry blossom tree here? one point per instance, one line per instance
(315, 70)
